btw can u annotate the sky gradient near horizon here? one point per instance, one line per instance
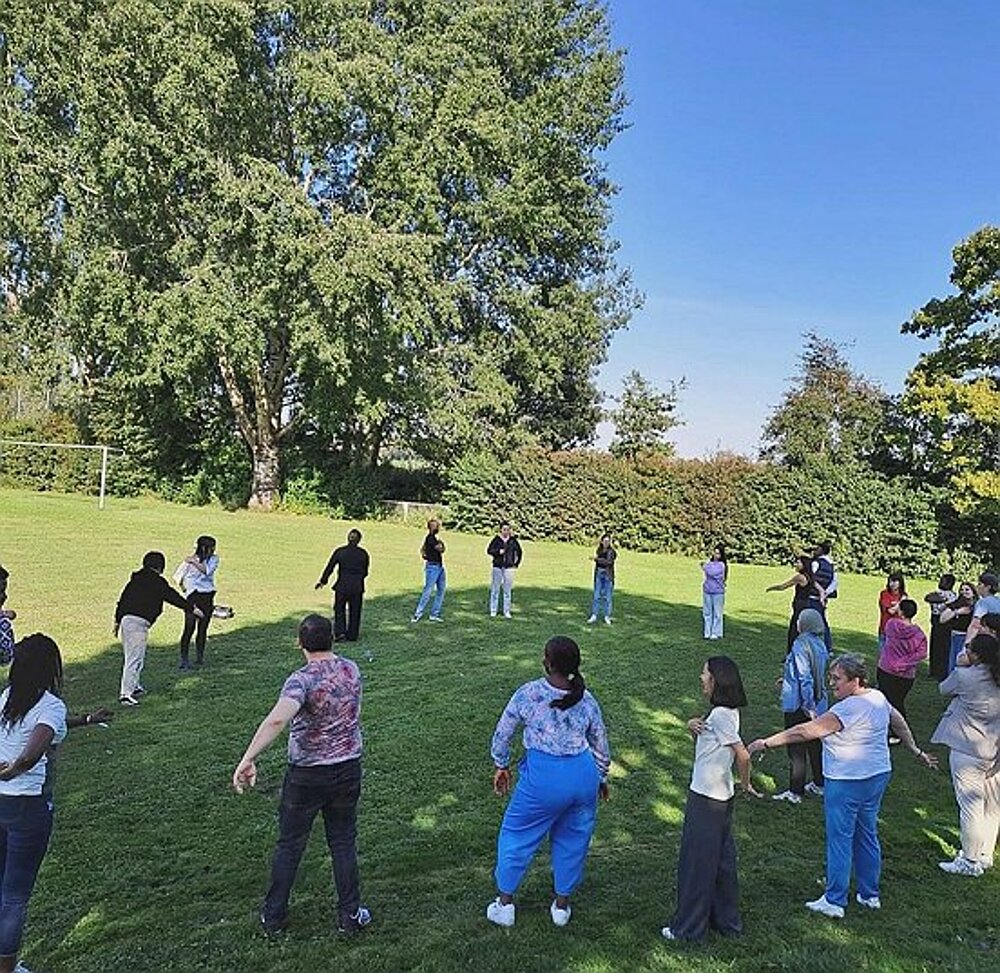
(788, 167)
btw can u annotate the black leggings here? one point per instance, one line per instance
(894, 688)
(797, 755)
(204, 600)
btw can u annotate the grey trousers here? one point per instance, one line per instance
(708, 891)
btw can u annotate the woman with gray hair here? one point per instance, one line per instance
(803, 698)
(856, 770)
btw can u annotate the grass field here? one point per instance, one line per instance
(157, 865)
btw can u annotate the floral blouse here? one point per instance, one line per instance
(560, 732)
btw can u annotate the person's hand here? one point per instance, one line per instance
(5, 770)
(318, 585)
(697, 726)
(947, 615)
(9, 614)
(197, 612)
(929, 759)
(501, 781)
(811, 713)
(602, 791)
(99, 715)
(115, 630)
(244, 776)
(758, 746)
(772, 587)
(779, 682)
(752, 791)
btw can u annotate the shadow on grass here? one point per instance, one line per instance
(157, 865)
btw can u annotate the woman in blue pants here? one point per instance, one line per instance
(856, 770)
(562, 773)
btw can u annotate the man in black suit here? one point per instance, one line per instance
(349, 588)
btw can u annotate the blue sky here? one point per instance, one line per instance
(793, 166)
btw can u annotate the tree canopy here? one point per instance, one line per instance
(643, 417)
(330, 223)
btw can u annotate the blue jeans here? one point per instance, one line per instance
(434, 577)
(712, 606)
(603, 590)
(333, 789)
(851, 808)
(555, 796)
(25, 826)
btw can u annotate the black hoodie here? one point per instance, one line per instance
(145, 594)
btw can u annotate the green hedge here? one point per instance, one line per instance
(763, 513)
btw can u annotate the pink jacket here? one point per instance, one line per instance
(905, 647)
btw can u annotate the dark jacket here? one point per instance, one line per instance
(505, 554)
(145, 594)
(352, 562)
(605, 560)
(429, 551)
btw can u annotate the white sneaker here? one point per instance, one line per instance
(559, 916)
(825, 908)
(21, 968)
(436, 618)
(592, 619)
(871, 902)
(607, 619)
(506, 614)
(667, 933)
(500, 914)
(128, 701)
(787, 796)
(962, 866)
(814, 789)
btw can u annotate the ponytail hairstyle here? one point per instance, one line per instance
(562, 655)
(37, 668)
(204, 547)
(986, 649)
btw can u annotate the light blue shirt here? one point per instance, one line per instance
(803, 681)
(195, 580)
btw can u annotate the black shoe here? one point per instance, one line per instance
(199, 663)
(185, 665)
(273, 927)
(352, 925)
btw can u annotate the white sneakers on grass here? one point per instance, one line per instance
(813, 788)
(592, 619)
(872, 902)
(500, 914)
(789, 796)
(961, 865)
(560, 916)
(825, 908)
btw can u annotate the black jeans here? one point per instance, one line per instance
(894, 688)
(205, 600)
(333, 789)
(708, 891)
(797, 754)
(346, 616)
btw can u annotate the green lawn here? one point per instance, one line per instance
(157, 865)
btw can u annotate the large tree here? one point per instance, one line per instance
(830, 413)
(643, 417)
(952, 397)
(358, 221)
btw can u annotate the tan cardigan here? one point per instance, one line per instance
(971, 723)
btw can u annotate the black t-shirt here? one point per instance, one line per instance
(430, 552)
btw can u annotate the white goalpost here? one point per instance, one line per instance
(105, 451)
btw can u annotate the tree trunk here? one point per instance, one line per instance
(265, 490)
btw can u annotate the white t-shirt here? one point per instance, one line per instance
(713, 757)
(861, 749)
(51, 711)
(195, 580)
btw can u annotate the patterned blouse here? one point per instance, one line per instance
(560, 732)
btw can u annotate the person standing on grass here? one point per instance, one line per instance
(351, 562)
(856, 771)
(505, 550)
(888, 602)
(970, 728)
(904, 648)
(957, 617)
(198, 581)
(824, 571)
(713, 592)
(432, 551)
(988, 603)
(807, 594)
(322, 702)
(940, 640)
(139, 605)
(708, 891)
(562, 773)
(604, 579)
(803, 698)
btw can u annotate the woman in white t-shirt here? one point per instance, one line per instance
(708, 892)
(198, 582)
(32, 721)
(856, 771)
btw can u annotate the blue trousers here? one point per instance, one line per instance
(25, 826)
(434, 577)
(851, 808)
(604, 588)
(554, 796)
(712, 606)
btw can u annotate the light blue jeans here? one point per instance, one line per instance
(434, 577)
(851, 808)
(603, 591)
(711, 610)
